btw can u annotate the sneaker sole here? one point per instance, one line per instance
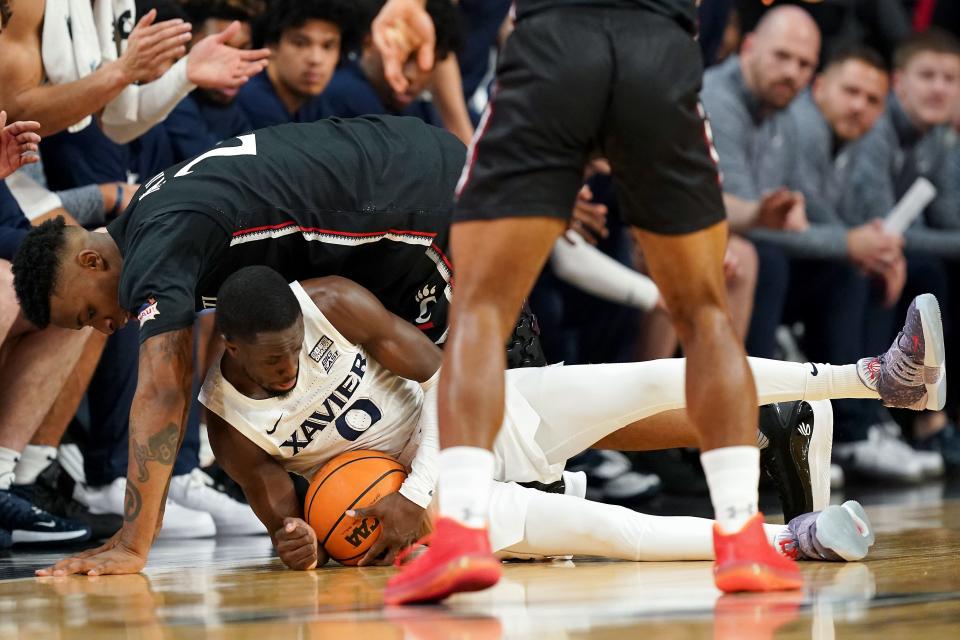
(24, 536)
(820, 452)
(752, 576)
(934, 352)
(837, 530)
(458, 576)
(855, 509)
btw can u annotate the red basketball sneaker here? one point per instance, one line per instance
(747, 562)
(458, 560)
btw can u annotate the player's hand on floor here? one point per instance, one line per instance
(296, 542)
(110, 558)
(400, 523)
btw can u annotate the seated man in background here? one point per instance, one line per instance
(36, 367)
(912, 140)
(207, 116)
(862, 261)
(306, 39)
(360, 87)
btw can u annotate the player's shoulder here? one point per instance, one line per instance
(26, 18)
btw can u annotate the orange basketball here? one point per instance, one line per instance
(351, 480)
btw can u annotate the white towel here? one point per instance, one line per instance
(78, 38)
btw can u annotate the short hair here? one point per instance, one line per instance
(5, 12)
(255, 300)
(282, 15)
(933, 40)
(858, 52)
(242, 10)
(36, 267)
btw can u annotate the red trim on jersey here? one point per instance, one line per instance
(398, 232)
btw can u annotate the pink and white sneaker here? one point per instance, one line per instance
(912, 373)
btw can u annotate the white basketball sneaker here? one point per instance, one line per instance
(178, 521)
(195, 490)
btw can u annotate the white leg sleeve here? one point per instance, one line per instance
(579, 405)
(558, 525)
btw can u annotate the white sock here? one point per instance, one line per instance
(8, 462)
(34, 459)
(836, 381)
(559, 525)
(733, 475)
(466, 479)
(784, 381)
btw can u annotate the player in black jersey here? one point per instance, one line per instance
(576, 78)
(368, 199)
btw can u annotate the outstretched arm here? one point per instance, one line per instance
(157, 417)
(57, 106)
(270, 492)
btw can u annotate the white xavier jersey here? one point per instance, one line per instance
(344, 400)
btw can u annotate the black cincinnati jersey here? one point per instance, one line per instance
(683, 11)
(369, 199)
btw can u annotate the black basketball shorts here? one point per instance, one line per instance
(579, 81)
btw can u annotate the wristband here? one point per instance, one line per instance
(116, 205)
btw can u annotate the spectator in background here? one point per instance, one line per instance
(207, 116)
(306, 39)
(360, 87)
(35, 367)
(745, 98)
(108, 67)
(911, 140)
(856, 267)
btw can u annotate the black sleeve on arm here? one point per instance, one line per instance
(161, 269)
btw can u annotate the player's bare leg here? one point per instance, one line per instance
(722, 403)
(497, 263)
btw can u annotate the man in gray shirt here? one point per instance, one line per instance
(759, 126)
(913, 140)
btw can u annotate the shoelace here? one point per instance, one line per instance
(404, 554)
(902, 366)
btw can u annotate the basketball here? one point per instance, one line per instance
(352, 480)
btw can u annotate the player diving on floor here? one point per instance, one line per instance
(314, 369)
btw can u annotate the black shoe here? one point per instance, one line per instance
(524, 348)
(6, 540)
(799, 439)
(53, 492)
(27, 523)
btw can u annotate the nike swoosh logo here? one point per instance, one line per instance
(272, 431)
(50, 524)
(814, 372)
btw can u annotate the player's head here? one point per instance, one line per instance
(778, 58)
(69, 277)
(259, 317)
(446, 22)
(851, 91)
(306, 38)
(209, 17)
(926, 77)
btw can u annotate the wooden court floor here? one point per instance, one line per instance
(234, 588)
